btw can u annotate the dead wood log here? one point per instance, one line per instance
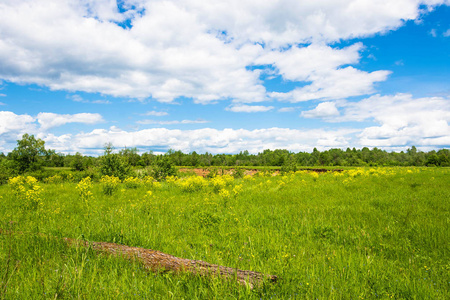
(157, 261)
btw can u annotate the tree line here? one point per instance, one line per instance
(31, 155)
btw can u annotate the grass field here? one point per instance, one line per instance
(381, 233)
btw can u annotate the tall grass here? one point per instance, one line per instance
(361, 234)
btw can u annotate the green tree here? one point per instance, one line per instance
(78, 162)
(113, 164)
(132, 155)
(29, 153)
(163, 166)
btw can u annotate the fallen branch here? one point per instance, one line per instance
(157, 261)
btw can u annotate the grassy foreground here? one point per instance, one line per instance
(361, 234)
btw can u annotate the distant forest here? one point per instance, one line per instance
(31, 152)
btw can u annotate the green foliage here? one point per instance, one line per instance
(28, 153)
(163, 167)
(7, 170)
(289, 165)
(113, 164)
(238, 172)
(109, 184)
(78, 162)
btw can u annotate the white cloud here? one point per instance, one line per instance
(101, 102)
(249, 108)
(320, 65)
(203, 140)
(78, 98)
(174, 122)
(433, 32)
(196, 49)
(337, 84)
(285, 22)
(14, 125)
(50, 120)
(402, 119)
(323, 110)
(286, 109)
(298, 64)
(166, 54)
(2, 95)
(447, 33)
(156, 113)
(1, 103)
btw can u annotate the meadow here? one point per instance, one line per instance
(364, 233)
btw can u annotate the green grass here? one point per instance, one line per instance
(377, 235)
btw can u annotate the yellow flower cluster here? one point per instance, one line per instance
(379, 171)
(132, 182)
(224, 193)
(28, 190)
(171, 179)
(192, 183)
(237, 189)
(314, 175)
(109, 184)
(53, 179)
(148, 195)
(148, 180)
(220, 182)
(151, 182)
(84, 188)
(249, 178)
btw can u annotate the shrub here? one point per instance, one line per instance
(193, 183)
(163, 167)
(132, 182)
(27, 190)
(54, 179)
(109, 184)
(114, 164)
(238, 173)
(84, 188)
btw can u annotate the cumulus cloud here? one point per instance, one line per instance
(249, 108)
(203, 140)
(13, 125)
(156, 113)
(166, 54)
(433, 32)
(323, 110)
(195, 49)
(174, 122)
(50, 120)
(286, 109)
(321, 66)
(78, 98)
(401, 119)
(446, 33)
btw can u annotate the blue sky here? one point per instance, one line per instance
(225, 77)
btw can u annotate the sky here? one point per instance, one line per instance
(225, 76)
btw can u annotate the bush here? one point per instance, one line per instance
(6, 170)
(163, 167)
(132, 182)
(289, 165)
(109, 184)
(238, 173)
(115, 165)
